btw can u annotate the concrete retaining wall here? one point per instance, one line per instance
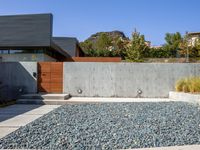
(17, 78)
(124, 79)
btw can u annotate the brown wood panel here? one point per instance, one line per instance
(44, 77)
(44, 67)
(50, 77)
(44, 87)
(57, 67)
(57, 87)
(56, 77)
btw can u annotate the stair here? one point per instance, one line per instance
(44, 99)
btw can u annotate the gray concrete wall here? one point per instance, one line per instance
(25, 57)
(124, 79)
(15, 76)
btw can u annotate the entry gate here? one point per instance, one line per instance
(50, 77)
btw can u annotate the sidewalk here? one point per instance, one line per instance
(16, 116)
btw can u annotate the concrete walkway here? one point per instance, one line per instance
(16, 116)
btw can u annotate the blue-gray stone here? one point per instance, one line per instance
(110, 126)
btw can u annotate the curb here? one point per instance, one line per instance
(185, 97)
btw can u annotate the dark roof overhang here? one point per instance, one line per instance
(67, 44)
(59, 49)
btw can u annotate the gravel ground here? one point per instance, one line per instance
(110, 126)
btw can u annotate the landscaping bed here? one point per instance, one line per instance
(110, 126)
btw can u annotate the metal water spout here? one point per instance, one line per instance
(139, 93)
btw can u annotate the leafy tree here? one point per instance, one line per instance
(183, 47)
(158, 53)
(137, 48)
(105, 46)
(88, 48)
(173, 41)
(119, 47)
(90, 53)
(86, 45)
(103, 42)
(197, 47)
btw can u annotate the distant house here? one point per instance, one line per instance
(148, 43)
(29, 38)
(193, 37)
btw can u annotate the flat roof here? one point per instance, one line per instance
(34, 30)
(26, 15)
(194, 33)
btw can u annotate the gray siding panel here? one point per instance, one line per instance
(25, 30)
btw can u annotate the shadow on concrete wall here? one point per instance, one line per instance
(17, 78)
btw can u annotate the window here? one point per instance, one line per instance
(21, 51)
(48, 52)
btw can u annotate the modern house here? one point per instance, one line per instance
(29, 38)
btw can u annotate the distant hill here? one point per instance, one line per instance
(113, 34)
(105, 44)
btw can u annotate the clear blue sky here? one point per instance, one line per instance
(81, 18)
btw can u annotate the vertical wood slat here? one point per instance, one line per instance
(50, 77)
(57, 77)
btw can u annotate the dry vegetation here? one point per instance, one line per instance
(188, 85)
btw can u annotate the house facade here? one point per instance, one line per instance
(29, 38)
(193, 38)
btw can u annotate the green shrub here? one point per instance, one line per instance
(186, 85)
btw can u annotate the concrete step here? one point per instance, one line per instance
(46, 96)
(42, 101)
